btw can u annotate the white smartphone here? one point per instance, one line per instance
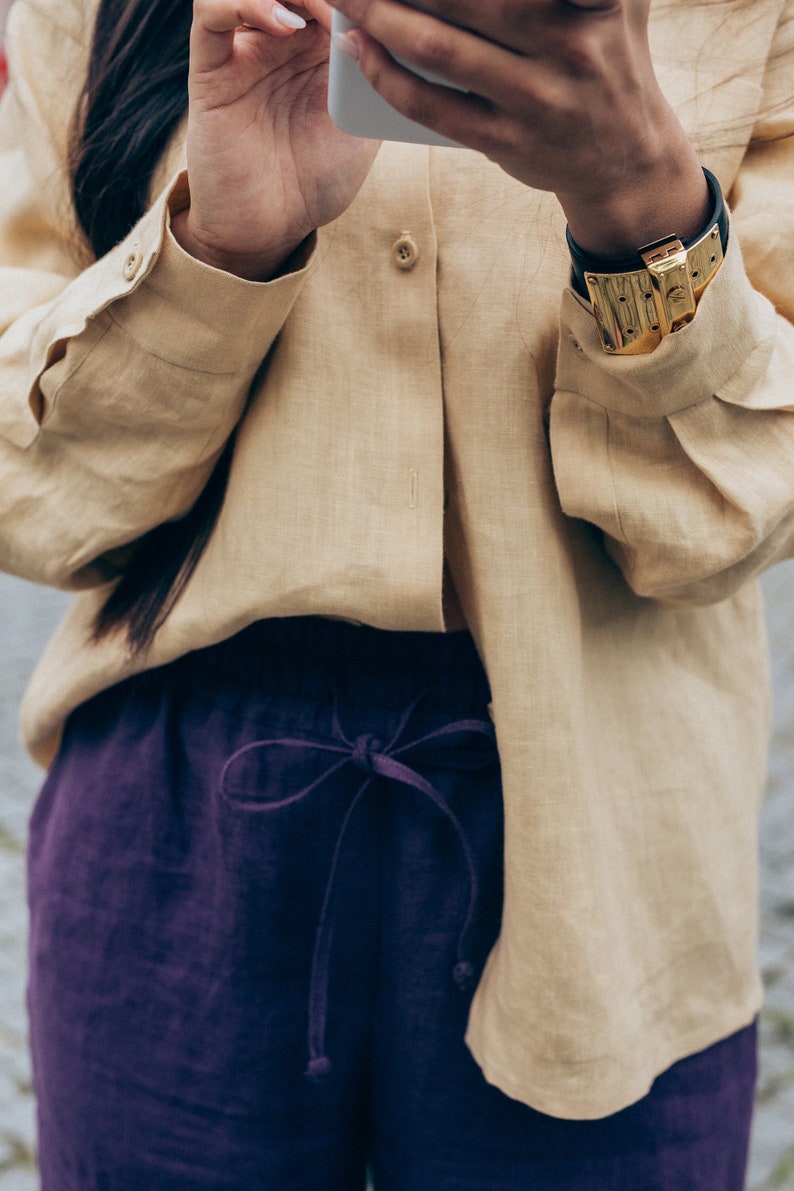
(355, 107)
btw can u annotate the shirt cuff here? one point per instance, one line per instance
(191, 314)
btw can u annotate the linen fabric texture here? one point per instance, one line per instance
(281, 856)
(600, 521)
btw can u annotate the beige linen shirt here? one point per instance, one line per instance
(602, 519)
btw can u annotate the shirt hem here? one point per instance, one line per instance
(607, 1101)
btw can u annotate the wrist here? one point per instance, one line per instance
(669, 195)
(654, 292)
(266, 265)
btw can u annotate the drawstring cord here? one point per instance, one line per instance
(450, 746)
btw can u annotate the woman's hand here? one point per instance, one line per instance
(266, 165)
(561, 93)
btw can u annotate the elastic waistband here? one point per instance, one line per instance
(295, 657)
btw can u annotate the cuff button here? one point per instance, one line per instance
(132, 263)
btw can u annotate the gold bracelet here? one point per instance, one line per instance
(635, 307)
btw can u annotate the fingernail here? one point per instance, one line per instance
(291, 19)
(347, 44)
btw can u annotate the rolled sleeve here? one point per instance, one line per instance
(683, 457)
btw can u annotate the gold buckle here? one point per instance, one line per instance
(673, 291)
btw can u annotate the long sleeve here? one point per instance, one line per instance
(685, 458)
(119, 381)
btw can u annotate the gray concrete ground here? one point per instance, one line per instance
(26, 617)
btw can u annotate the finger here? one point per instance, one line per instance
(460, 57)
(318, 10)
(592, 5)
(534, 28)
(468, 118)
(494, 23)
(215, 23)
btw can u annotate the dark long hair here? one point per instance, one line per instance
(134, 96)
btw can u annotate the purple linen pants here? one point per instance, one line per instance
(263, 881)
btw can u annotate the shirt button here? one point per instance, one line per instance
(405, 252)
(132, 263)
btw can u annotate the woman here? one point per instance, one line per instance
(260, 378)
